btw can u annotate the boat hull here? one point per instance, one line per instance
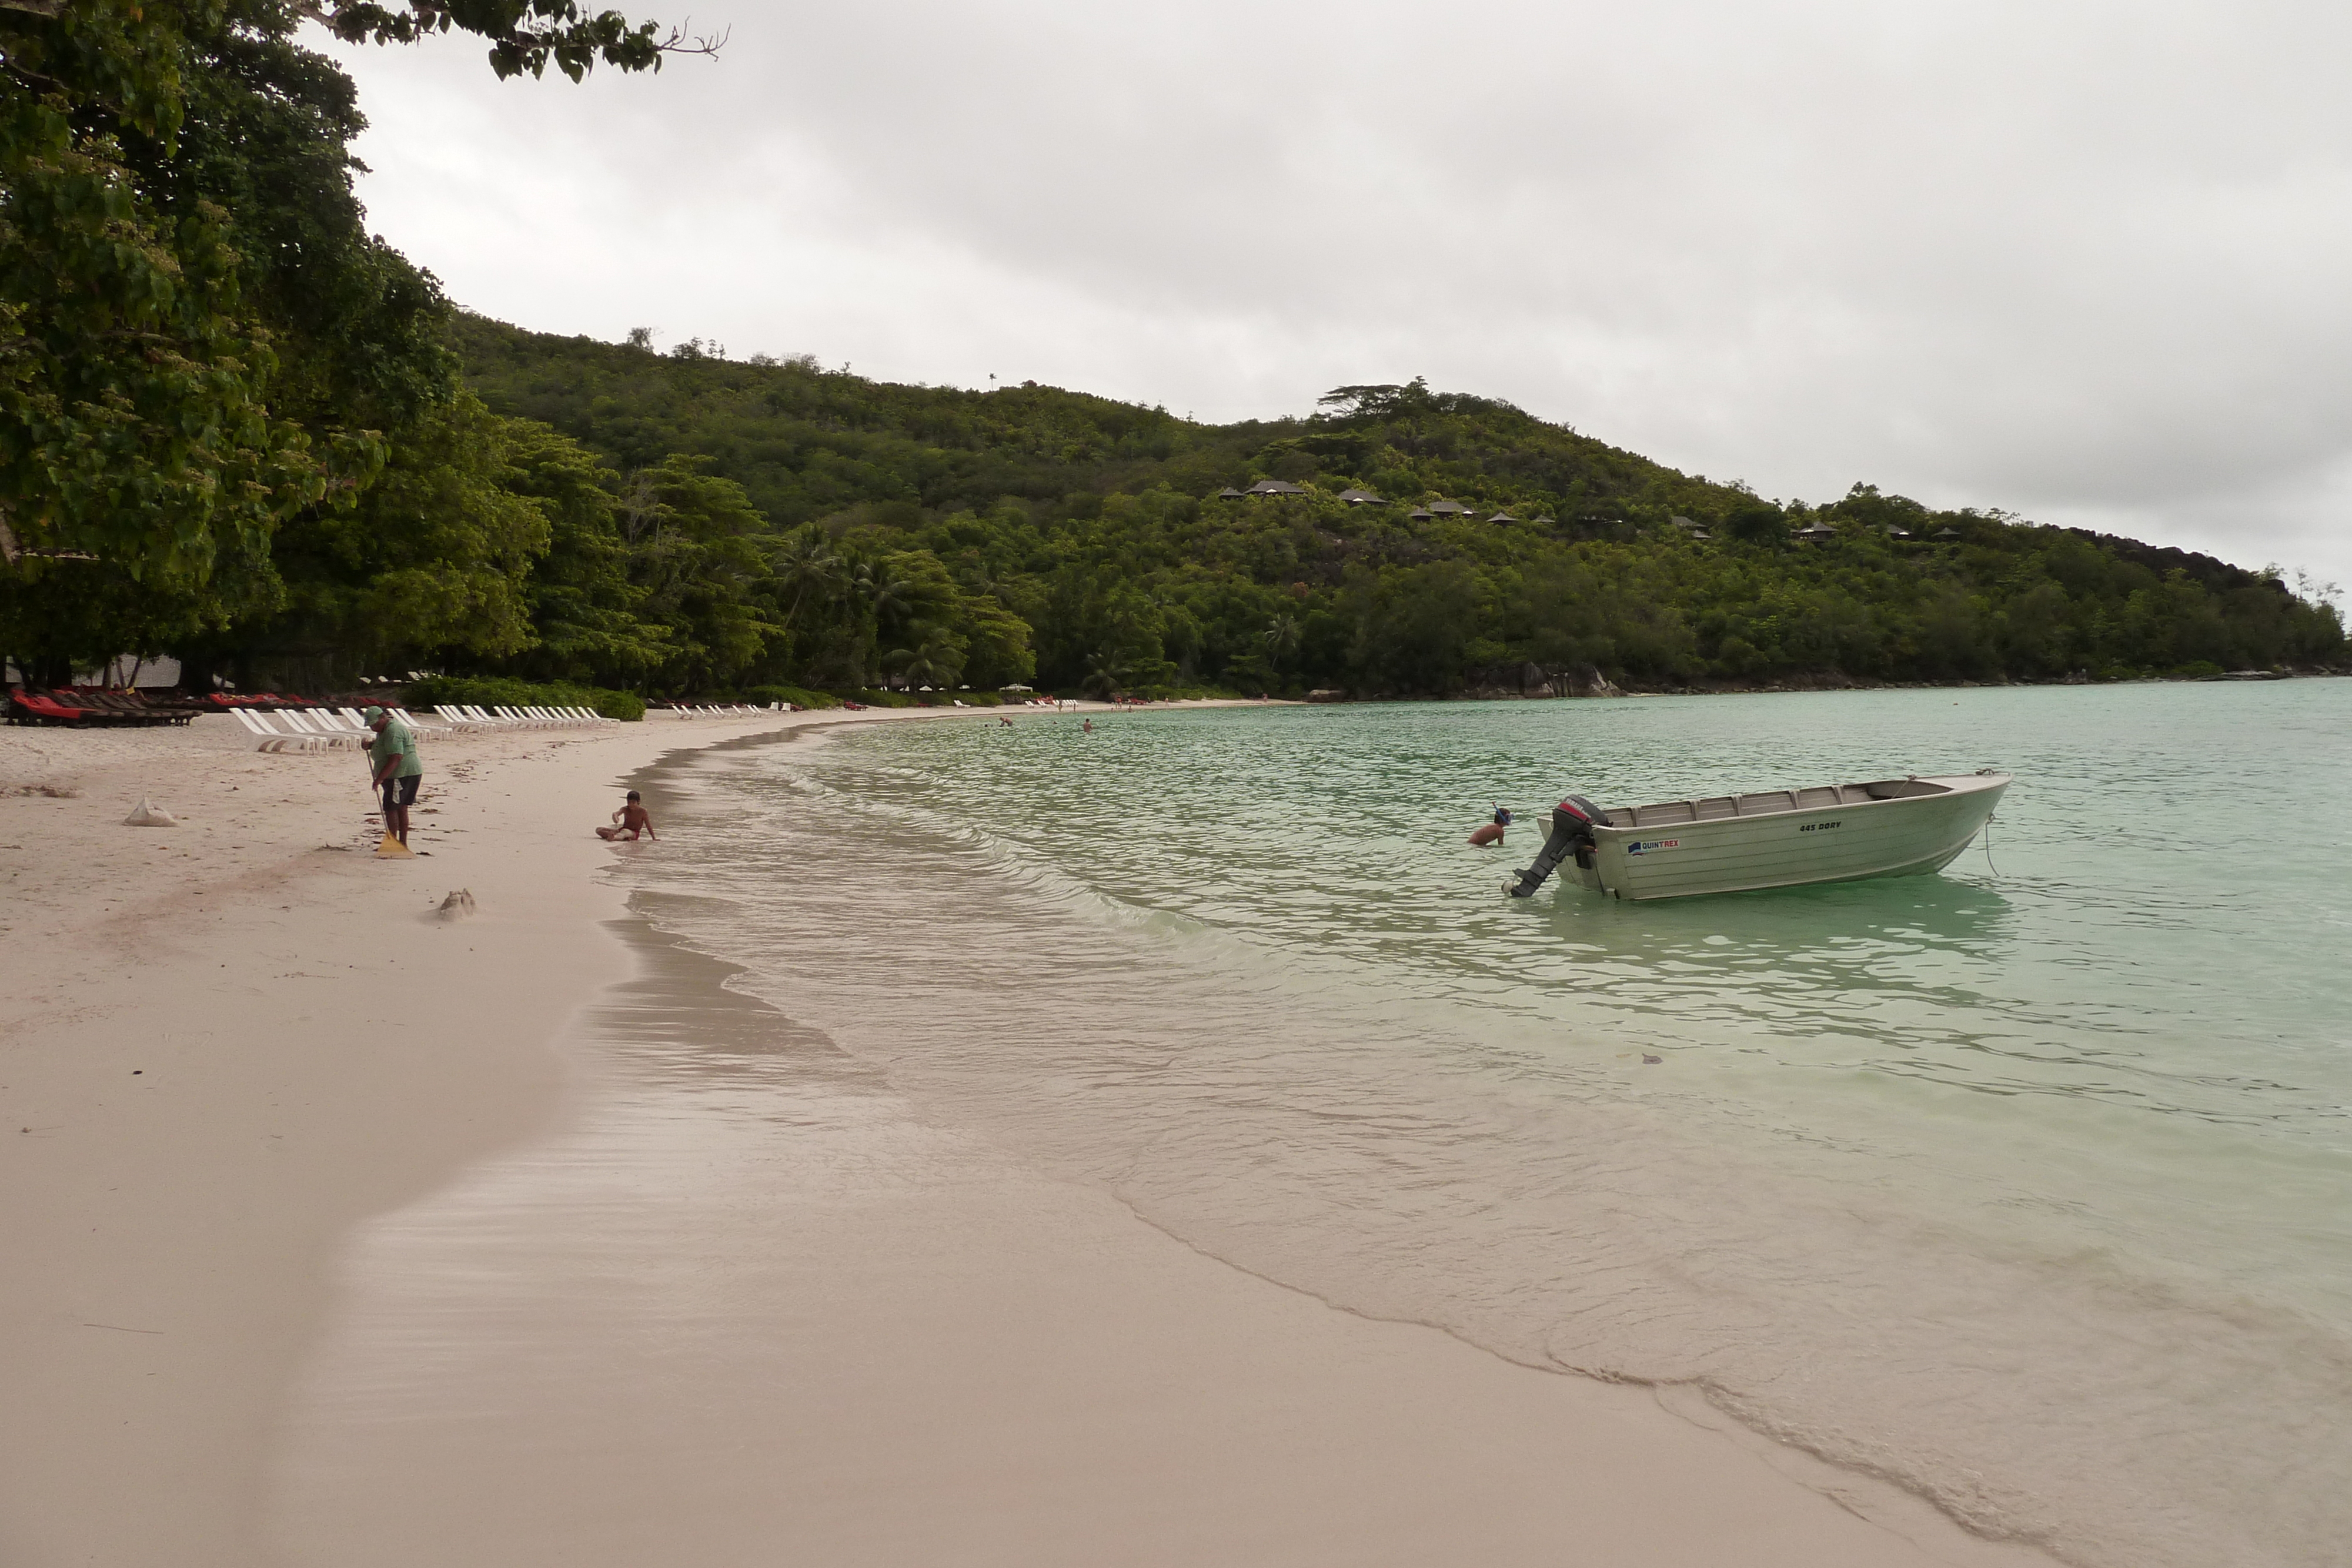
(1848, 841)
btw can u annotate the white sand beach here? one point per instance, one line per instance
(251, 1076)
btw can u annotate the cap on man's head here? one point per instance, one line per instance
(371, 714)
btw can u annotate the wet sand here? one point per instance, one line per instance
(341, 1233)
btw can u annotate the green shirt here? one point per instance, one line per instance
(395, 740)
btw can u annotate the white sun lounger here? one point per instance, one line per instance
(418, 725)
(449, 719)
(266, 737)
(301, 724)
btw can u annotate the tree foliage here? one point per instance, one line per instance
(914, 526)
(200, 345)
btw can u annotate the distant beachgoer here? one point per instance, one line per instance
(394, 768)
(629, 821)
(1087, 724)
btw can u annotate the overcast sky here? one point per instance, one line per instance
(2085, 263)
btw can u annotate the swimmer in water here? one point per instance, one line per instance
(1087, 724)
(1486, 835)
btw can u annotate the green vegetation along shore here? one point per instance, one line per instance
(238, 430)
(945, 534)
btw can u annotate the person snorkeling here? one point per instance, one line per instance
(1489, 833)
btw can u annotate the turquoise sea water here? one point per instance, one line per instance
(2024, 1185)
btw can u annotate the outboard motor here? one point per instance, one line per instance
(1572, 822)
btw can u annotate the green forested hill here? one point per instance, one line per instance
(1092, 531)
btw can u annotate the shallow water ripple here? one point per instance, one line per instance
(2025, 1184)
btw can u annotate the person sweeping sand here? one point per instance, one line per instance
(394, 768)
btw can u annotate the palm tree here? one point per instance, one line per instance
(1281, 637)
(1106, 674)
(935, 660)
(804, 563)
(884, 596)
(876, 599)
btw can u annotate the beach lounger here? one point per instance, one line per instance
(112, 707)
(442, 721)
(163, 710)
(310, 725)
(269, 737)
(32, 708)
(417, 726)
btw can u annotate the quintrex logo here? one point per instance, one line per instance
(1642, 848)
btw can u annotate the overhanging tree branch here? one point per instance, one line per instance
(524, 35)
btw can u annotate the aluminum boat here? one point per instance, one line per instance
(1774, 838)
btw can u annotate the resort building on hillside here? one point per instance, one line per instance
(1362, 498)
(1276, 487)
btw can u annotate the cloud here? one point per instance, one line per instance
(2082, 263)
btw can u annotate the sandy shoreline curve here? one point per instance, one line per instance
(242, 1051)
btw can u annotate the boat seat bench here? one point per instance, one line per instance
(1723, 808)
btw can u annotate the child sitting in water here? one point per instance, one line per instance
(629, 823)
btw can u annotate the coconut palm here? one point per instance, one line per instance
(1106, 674)
(935, 660)
(1281, 637)
(805, 564)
